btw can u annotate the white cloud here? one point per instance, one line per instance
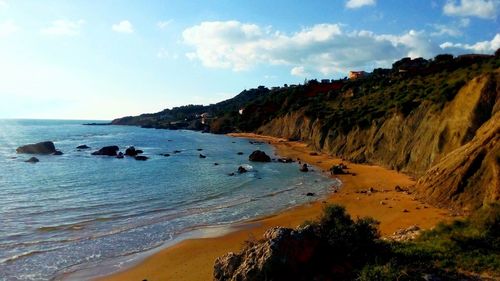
(446, 30)
(165, 54)
(479, 47)
(486, 9)
(7, 28)
(453, 29)
(63, 28)
(123, 27)
(299, 71)
(354, 4)
(322, 48)
(164, 24)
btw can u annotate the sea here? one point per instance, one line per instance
(76, 212)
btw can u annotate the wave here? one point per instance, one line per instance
(27, 254)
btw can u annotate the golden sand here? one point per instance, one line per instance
(193, 259)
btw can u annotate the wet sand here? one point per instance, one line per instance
(193, 259)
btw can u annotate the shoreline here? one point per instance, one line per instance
(177, 261)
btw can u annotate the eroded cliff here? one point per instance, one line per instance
(459, 140)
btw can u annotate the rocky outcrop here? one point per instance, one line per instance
(259, 156)
(46, 147)
(107, 151)
(285, 254)
(459, 140)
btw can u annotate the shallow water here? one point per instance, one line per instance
(69, 211)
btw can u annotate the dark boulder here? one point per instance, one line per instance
(83, 147)
(131, 151)
(107, 151)
(32, 160)
(202, 156)
(242, 170)
(240, 153)
(141, 158)
(216, 164)
(139, 151)
(46, 147)
(58, 152)
(337, 170)
(310, 194)
(165, 155)
(304, 168)
(259, 156)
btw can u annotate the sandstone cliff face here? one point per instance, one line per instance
(459, 140)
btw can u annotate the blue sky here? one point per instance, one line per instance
(104, 59)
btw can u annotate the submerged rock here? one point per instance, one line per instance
(120, 155)
(107, 151)
(285, 160)
(57, 153)
(84, 146)
(141, 158)
(259, 156)
(46, 147)
(242, 170)
(202, 156)
(32, 160)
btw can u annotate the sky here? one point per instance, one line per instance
(104, 59)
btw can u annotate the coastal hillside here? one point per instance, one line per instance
(436, 120)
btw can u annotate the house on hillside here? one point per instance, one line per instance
(204, 118)
(353, 75)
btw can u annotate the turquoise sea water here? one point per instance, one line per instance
(77, 210)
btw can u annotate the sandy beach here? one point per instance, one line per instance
(193, 259)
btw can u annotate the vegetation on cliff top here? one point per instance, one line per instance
(340, 103)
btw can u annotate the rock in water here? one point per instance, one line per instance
(202, 156)
(259, 156)
(131, 152)
(46, 147)
(84, 146)
(241, 170)
(304, 168)
(120, 155)
(107, 151)
(32, 160)
(141, 158)
(58, 153)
